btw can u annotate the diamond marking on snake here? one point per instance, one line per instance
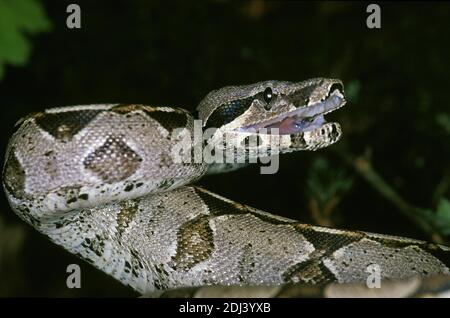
(113, 161)
(64, 125)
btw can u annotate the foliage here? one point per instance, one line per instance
(443, 216)
(19, 18)
(443, 120)
(326, 186)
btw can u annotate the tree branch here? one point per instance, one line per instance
(421, 217)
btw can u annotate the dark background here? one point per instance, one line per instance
(389, 174)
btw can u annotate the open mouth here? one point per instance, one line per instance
(301, 119)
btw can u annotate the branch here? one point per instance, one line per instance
(421, 217)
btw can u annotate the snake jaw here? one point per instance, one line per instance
(302, 119)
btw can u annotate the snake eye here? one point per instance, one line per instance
(268, 95)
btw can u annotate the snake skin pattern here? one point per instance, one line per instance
(102, 181)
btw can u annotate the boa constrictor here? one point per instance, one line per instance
(106, 182)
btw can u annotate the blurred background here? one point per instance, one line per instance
(389, 174)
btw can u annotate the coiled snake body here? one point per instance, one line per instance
(106, 182)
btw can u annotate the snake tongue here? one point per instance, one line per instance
(302, 118)
(286, 126)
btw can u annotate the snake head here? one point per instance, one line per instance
(292, 111)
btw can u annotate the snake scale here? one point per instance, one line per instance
(107, 183)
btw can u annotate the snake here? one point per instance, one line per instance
(112, 184)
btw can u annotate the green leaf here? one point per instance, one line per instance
(30, 15)
(443, 120)
(352, 90)
(18, 18)
(443, 216)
